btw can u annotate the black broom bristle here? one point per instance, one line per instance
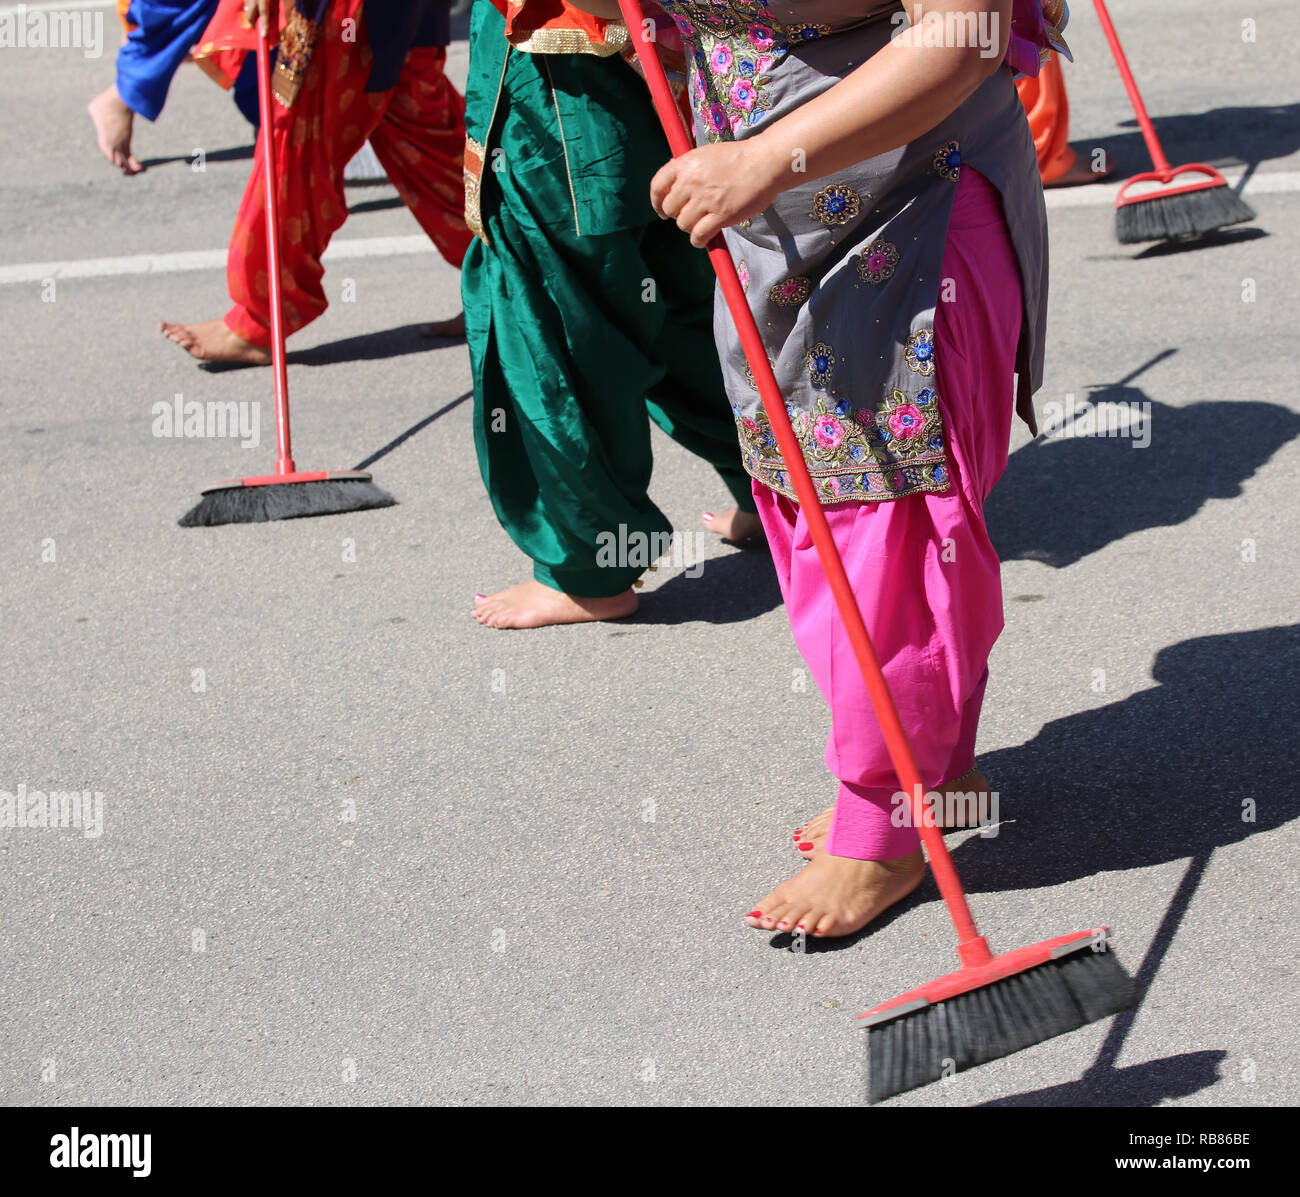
(994, 1021)
(284, 501)
(1169, 217)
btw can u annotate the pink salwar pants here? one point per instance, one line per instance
(925, 575)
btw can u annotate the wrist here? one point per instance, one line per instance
(768, 164)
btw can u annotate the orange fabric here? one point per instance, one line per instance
(1048, 110)
(417, 131)
(225, 43)
(122, 6)
(548, 14)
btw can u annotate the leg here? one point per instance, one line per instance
(690, 403)
(421, 145)
(562, 346)
(420, 142)
(1048, 110)
(934, 613)
(159, 39)
(330, 119)
(561, 433)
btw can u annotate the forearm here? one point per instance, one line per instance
(896, 96)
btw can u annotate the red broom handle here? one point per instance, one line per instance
(270, 177)
(900, 752)
(1158, 158)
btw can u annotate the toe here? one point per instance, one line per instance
(791, 916)
(825, 925)
(807, 922)
(773, 912)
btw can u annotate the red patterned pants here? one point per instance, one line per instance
(417, 131)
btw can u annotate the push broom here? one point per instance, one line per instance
(992, 1005)
(288, 493)
(1170, 203)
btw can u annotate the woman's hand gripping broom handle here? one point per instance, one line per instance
(971, 945)
(270, 181)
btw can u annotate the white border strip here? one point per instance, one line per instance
(1095, 195)
(203, 259)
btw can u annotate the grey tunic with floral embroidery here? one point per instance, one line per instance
(842, 273)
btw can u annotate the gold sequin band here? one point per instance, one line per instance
(574, 41)
(475, 154)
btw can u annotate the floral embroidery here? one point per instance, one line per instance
(749, 375)
(828, 432)
(910, 428)
(894, 451)
(791, 292)
(821, 364)
(734, 44)
(836, 204)
(876, 263)
(920, 351)
(742, 272)
(947, 161)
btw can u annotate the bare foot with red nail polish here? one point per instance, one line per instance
(532, 605)
(212, 341)
(836, 895)
(733, 524)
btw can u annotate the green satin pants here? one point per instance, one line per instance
(586, 316)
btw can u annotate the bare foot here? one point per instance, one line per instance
(957, 815)
(114, 122)
(1079, 175)
(212, 341)
(455, 327)
(836, 895)
(733, 524)
(532, 605)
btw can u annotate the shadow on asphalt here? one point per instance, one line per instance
(730, 589)
(1221, 137)
(410, 432)
(1164, 775)
(375, 205)
(234, 153)
(1063, 498)
(1232, 235)
(1192, 764)
(1147, 1084)
(369, 347)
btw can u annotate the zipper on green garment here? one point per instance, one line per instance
(564, 145)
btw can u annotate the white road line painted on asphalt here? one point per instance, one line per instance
(203, 259)
(1096, 195)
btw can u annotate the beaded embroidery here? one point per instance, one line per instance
(947, 161)
(876, 263)
(836, 204)
(821, 364)
(790, 292)
(920, 351)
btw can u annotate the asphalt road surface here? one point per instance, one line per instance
(357, 849)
